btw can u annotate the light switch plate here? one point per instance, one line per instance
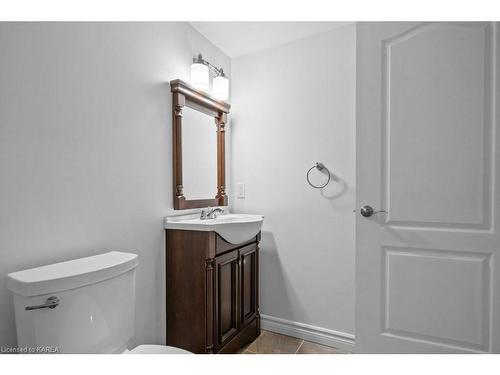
(240, 190)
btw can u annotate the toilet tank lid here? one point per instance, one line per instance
(71, 274)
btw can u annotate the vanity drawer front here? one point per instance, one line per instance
(222, 246)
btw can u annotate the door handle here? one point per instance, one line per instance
(368, 211)
(50, 303)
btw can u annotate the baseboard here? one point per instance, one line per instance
(341, 340)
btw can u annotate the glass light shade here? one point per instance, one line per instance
(220, 88)
(199, 76)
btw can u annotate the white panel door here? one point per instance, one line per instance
(427, 270)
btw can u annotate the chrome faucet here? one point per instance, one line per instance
(210, 213)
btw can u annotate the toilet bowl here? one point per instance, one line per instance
(156, 349)
(84, 305)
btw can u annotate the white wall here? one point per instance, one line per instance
(292, 106)
(85, 148)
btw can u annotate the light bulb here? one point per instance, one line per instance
(220, 88)
(199, 76)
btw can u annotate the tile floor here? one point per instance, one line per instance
(275, 343)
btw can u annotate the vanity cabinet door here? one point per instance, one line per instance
(248, 283)
(226, 297)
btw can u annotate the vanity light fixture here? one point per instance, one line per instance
(199, 74)
(200, 77)
(220, 87)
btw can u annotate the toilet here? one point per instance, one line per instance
(85, 305)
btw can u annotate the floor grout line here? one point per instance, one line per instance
(299, 347)
(251, 348)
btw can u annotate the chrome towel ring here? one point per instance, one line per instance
(320, 167)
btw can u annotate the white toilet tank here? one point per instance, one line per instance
(95, 298)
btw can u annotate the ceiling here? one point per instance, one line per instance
(241, 38)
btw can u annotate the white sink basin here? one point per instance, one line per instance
(234, 228)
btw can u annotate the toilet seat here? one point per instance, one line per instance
(157, 349)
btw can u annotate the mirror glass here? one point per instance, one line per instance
(199, 155)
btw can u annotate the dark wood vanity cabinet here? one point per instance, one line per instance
(212, 288)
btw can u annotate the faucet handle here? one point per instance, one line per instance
(204, 213)
(216, 212)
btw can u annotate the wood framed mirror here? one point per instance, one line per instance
(199, 164)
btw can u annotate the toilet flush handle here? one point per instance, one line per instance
(51, 303)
